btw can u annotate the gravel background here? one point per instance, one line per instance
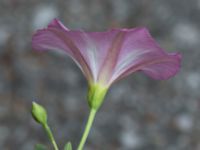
(139, 113)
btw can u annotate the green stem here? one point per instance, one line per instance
(50, 135)
(87, 129)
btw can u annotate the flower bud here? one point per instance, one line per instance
(68, 146)
(39, 113)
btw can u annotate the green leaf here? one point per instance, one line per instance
(40, 147)
(68, 146)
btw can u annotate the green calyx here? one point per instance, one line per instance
(96, 94)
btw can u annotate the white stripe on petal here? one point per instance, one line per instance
(92, 56)
(126, 62)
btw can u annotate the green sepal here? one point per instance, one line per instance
(96, 94)
(68, 146)
(40, 147)
(39, 113)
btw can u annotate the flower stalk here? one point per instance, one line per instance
(87, 129)
(50, 135)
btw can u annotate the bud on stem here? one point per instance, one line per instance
(39, 113)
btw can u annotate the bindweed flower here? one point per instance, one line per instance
(106, 57)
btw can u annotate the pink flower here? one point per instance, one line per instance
(105, 57)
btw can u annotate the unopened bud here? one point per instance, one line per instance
(39, 113)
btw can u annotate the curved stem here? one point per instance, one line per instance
(50, 135)
(87, 129)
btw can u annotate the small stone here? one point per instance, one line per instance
(4, 35)
(4, 133)
(193, 80)
(186, 33)
(130, 139)
(184, 122)
(43, 15)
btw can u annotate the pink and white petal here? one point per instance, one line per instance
(160, 69)
(94, 47)
(139, 40)
(100, 44)
(165, 69)
(57, 24)
(108, 52)
(57, 37)
(46, 39)
(109, 46)
(88, 49)
(139, 50)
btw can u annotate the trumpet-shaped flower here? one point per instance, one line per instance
(105, 57)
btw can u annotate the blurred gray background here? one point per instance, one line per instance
(138, 114)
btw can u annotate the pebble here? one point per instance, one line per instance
(4, 133)
(193, 80)
(4, 35)
(184, 122)
(43, 15)
(186, 33)
(130, 139)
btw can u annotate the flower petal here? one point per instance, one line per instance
(98, 45)
(58, 37)
(140, 52)
(87, 49)
(57, 24)
(165, 68)
(108, 46)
